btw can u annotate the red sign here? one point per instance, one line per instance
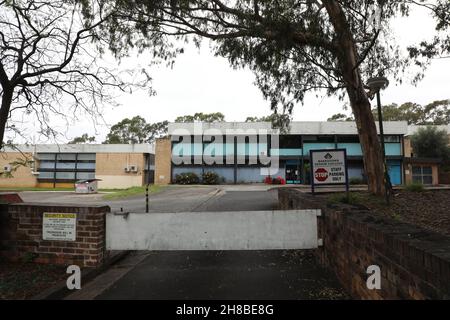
(321, 174)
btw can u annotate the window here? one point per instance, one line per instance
(66, 166)
(395, 139)
(422, 174)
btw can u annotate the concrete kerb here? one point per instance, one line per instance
(60, 290)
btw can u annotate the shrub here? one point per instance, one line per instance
(210, 178)
(415, 187)
(356, 181)
(353, 198)
(278, 180)
(187, 178)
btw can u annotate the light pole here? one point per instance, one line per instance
(376, 85)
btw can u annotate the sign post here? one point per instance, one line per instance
(329, 167)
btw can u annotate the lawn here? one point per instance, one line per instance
(133, 191)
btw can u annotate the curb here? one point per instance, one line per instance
(59, 290)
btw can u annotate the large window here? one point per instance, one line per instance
(422, 174)
(66, 167)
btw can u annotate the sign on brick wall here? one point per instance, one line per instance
(59, 226)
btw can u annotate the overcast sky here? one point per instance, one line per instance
(200, 82)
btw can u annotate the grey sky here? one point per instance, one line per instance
(200, 82)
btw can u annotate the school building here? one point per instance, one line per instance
(53, 166)
(230, 148)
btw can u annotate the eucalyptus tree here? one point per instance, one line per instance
(298, 46)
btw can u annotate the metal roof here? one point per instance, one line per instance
(83, 148)
(296, 127)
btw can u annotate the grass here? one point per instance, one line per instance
(415, 187)
(353, 198)
(133, 191)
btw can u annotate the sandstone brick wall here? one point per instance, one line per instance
(21, 235)
(414, 263)
(163, 161)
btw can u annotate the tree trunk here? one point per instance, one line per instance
(348, 63)
(4, 112)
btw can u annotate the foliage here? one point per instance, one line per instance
(355, 180)
(135, 130)
(340, 117)
(430, 142)
(435, 113)
(278, 121)
(84, 138)
(133, 191)
(210, 177)
(277, 180)
(414, 187)
(187, 178)
(50, 62)
(353, 198)
(25, 161)
(202, 117)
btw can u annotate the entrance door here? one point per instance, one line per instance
(292, 174)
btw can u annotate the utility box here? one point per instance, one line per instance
(86, 186)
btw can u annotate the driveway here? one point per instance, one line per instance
(170, 199)
(269, 274)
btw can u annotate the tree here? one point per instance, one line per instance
(297, 46)
(340, 117)
(84, 138)
(278, 121)
(135, 130)
(429, 142)
(202, 117)
(49, 59)
(434, 113)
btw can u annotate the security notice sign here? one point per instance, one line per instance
(59, 226)
(328, 167)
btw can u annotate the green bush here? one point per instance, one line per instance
(356, 181)
(353, 198)
(187, 178)
(210, 177)
(415, 187)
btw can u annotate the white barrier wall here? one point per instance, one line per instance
(245, 230)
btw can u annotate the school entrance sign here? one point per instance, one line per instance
(328, 167)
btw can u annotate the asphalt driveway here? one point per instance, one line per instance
(269, 274)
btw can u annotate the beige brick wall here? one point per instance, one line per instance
(22, 176)
(163, 161)
(110, 168)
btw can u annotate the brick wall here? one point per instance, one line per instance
(163, 161)
(414, 263)
(21, 235)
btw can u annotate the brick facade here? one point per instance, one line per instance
(414, 263)
(21, 235)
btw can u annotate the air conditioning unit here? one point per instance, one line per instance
(133, 168)
(7, 168)
(126, 169)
